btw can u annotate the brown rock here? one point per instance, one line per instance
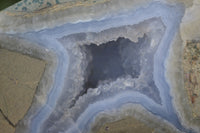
(19, 77)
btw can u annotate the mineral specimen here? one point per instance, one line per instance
(111, 65)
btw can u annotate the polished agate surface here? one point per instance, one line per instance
(109, 67)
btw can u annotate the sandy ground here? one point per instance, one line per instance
(19, 77)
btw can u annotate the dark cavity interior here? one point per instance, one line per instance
(112, 60)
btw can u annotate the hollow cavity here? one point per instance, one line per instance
(112, 60)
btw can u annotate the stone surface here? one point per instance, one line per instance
(20, 75)
(130, 117)
(191, 64)
(5, 126)
(166, 84)
(126, 125)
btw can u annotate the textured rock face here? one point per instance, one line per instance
(108, 60)
(19, 79)
(191, 64)
(112, 60)
(4, 125)
(127, 125)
